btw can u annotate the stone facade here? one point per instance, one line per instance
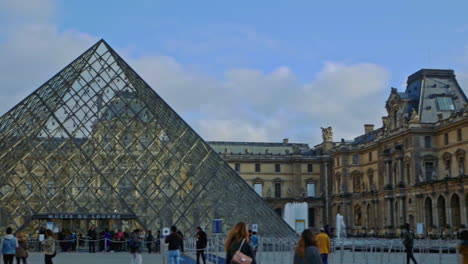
(281, 173)
(410, 170)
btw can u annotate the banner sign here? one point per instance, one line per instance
(83, 216)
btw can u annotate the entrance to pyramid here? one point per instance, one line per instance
(97, 139)
(80, 223)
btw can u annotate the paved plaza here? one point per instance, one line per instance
(267, 258)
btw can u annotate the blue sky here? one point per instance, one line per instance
(253, 70)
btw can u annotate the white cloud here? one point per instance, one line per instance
(244, 104)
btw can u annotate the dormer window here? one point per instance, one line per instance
(445, 103)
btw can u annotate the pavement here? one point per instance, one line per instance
(276, 258)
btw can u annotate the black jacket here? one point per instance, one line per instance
(92, 234)
(201, 240)
(246, 249)
(175, 242)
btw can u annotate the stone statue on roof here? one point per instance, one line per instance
(414, 116)
(327, 134)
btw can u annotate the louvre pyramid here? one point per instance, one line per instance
(96, 138)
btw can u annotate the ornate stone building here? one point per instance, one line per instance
(410, 170)
(413, 168)
(281, 173)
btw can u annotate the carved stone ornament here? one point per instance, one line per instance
(327, 134)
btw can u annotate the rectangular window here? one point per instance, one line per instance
(429, 168)
(310, 189)
(310, 167)
(258, 187)
(257, 167)
(370, 156)
(277, 189)
(446, 139)
(237, 167)
(428, 142)
(459, 135)
(311, 217)
(355, 159)
(277, 168)
(445, 103)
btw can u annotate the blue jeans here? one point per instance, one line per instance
(174, 256)
(325, 258)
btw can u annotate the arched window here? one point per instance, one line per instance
(456, 210)
(357, 216)
(441, 211)
(428, 212)
(369, 217)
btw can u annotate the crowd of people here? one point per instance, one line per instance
(116, 241)
(241, 245)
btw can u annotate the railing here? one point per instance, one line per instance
(281, 251)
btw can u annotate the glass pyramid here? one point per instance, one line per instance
(96, 138)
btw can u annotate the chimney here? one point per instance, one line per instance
(285, 140)
(368, 128)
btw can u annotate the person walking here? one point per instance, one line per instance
(22, 249)
(464, 246)
(176, 246)
(48, 247)
(201, 245)
(306, 249)
(9, 245)
(323, 243)
(408, 242)
(254, 241)
(238, 241)
(119, 240)
(92, 237)
(149, 241)
(135, 247)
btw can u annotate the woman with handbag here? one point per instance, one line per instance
(306, 249)
(22, 249)
(48, 246)
(238, 249)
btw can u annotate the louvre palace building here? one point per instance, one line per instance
(96, 145)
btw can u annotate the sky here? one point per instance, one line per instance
(245, 70)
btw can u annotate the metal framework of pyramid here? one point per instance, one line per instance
(96, 138)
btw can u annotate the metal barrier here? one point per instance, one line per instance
(272, 251)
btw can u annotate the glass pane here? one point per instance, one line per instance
(311, 189)
(445, 103)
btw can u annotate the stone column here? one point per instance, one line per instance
(400, 169)
(387, 173)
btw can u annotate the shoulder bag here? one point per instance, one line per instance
(241, 258)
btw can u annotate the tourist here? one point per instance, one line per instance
(306, 249)
(48, 247)
(9, 245)
(254, 241)
(323, 243)
(22, 249)
(201, 245)
(149, 241)
(176, 246)
(158, 242)
(464, 246)
(238, 240)
(92, 237)
(135, 247)
(107, 240)
(408, 242)
(120, 239)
